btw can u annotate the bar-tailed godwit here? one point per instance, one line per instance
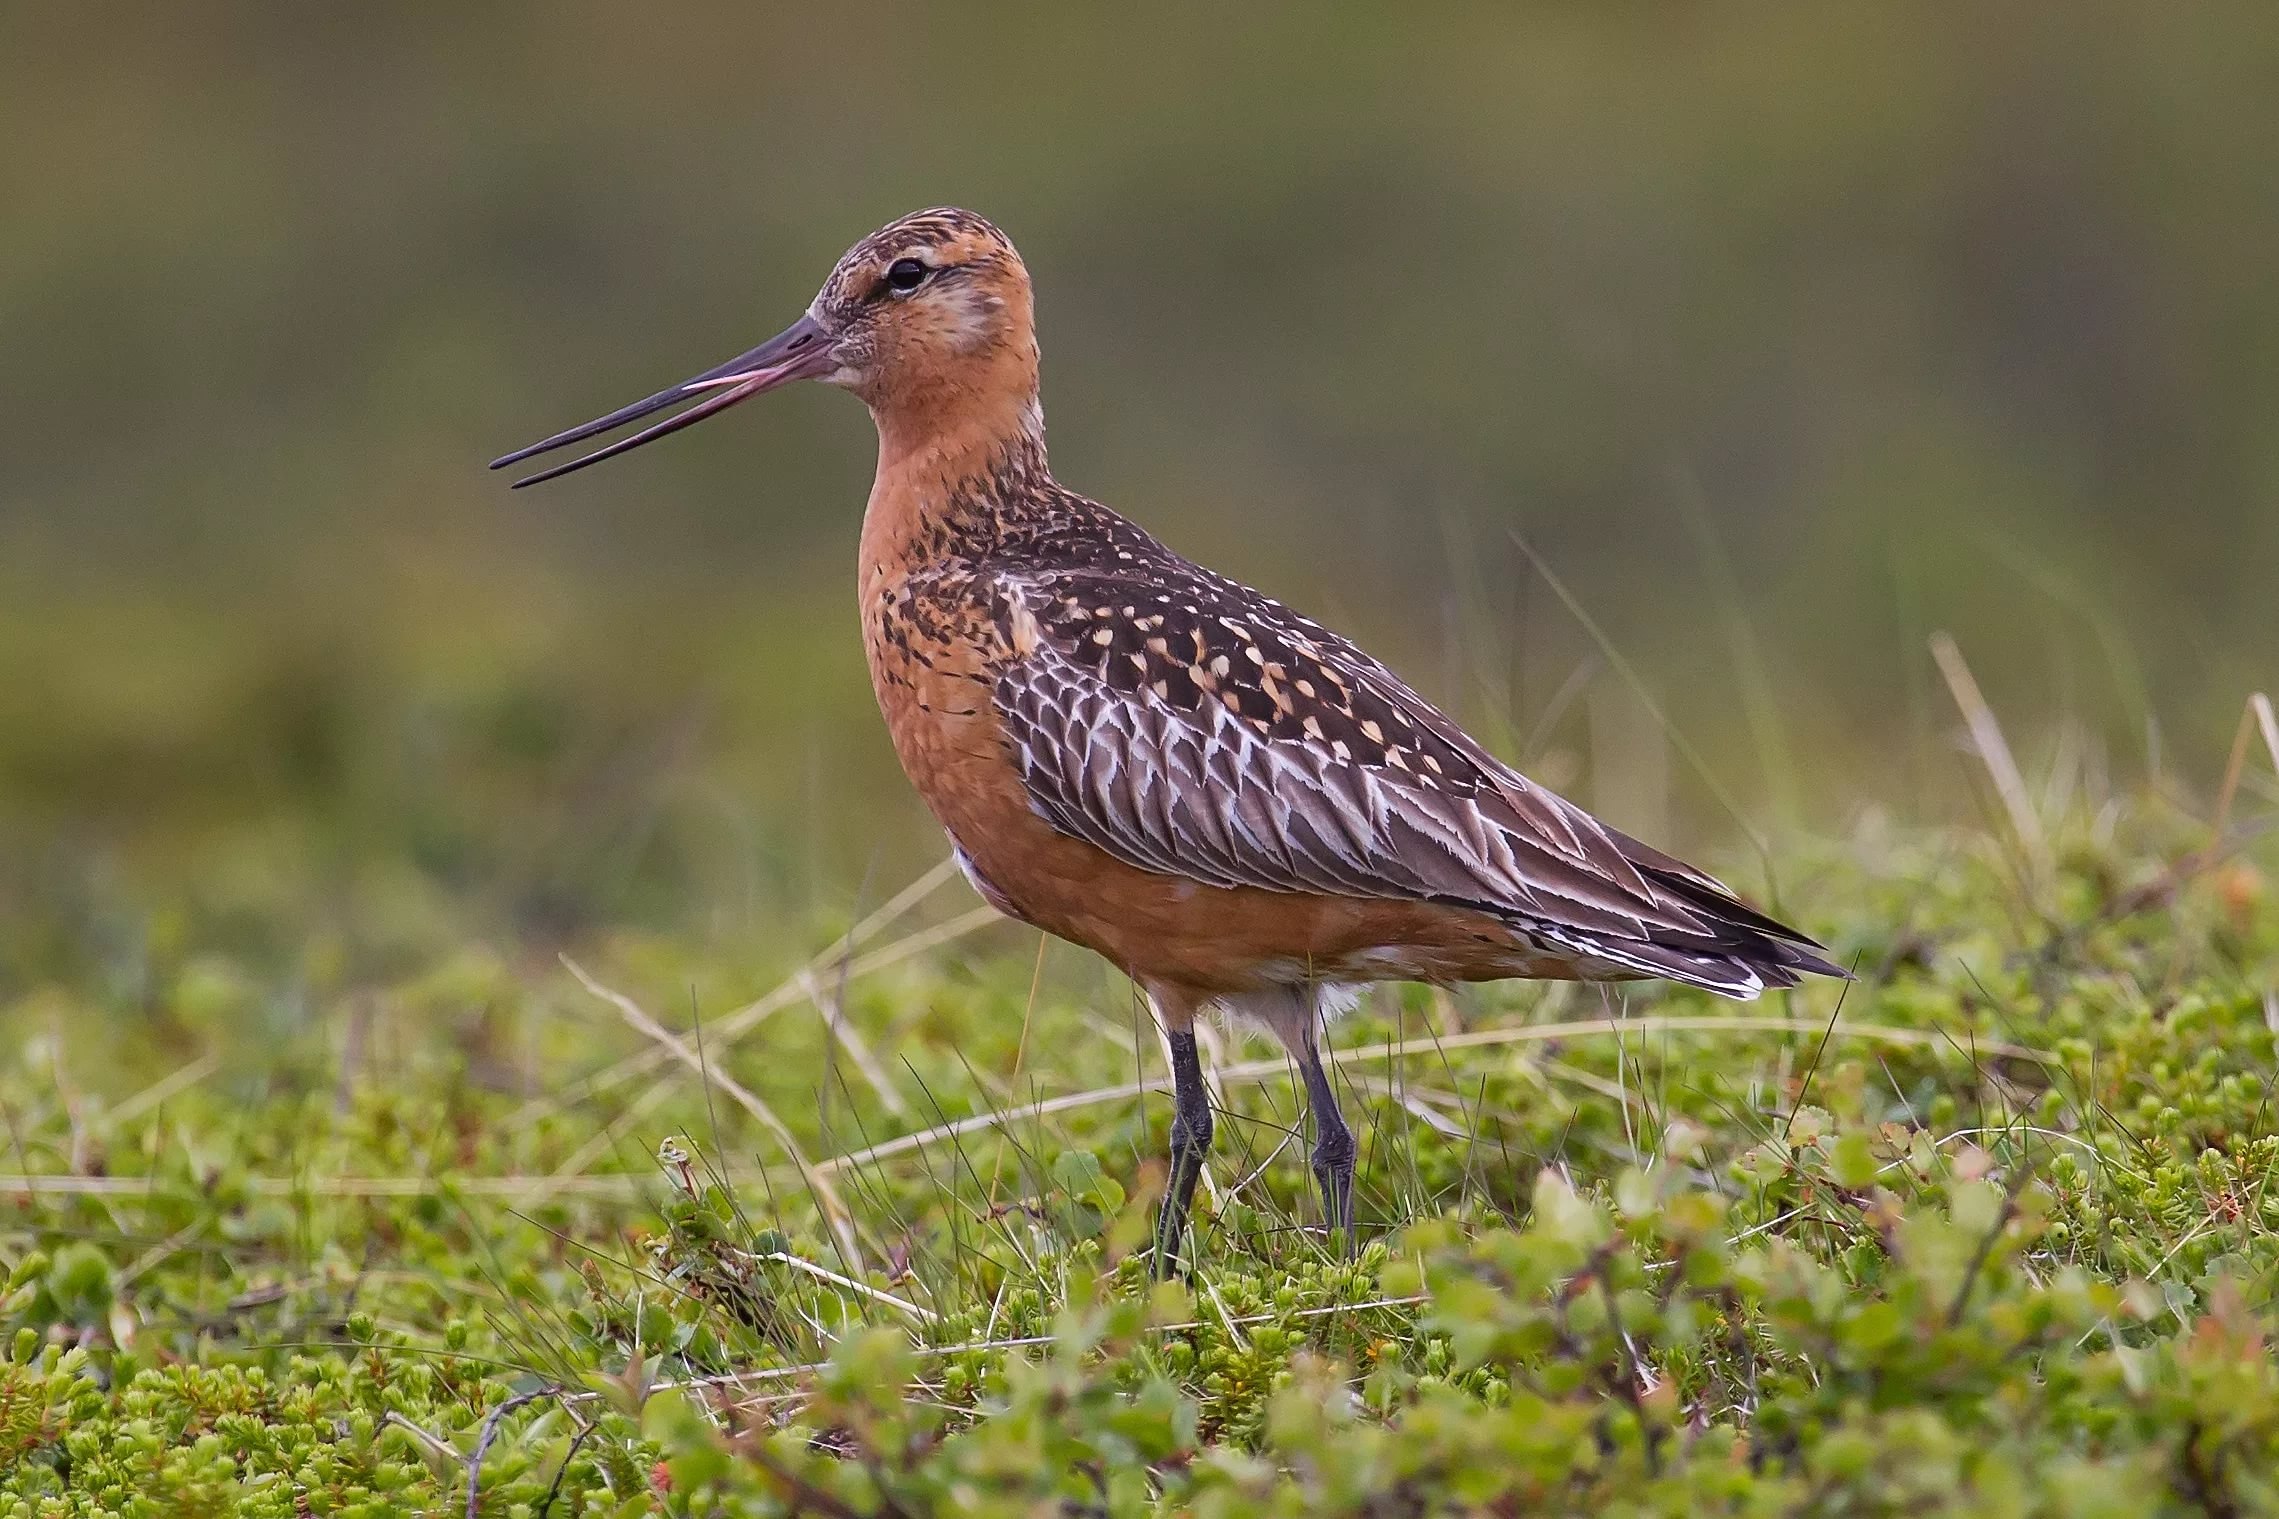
(1236, 806)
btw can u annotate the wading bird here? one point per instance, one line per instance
(1237, 807)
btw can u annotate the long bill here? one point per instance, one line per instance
(801, 351)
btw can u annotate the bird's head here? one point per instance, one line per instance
(935, 302)
(929, 320)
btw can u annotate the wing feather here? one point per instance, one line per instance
(1191, 727)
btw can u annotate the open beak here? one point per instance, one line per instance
(801, 351)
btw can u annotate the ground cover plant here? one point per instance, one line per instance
(641, 1229)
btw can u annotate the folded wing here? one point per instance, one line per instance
(1190, 726)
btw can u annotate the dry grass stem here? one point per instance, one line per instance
(829, 961)
(826, 1196)
(850, 1039)
(1992, 748)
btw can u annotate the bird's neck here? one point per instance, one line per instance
(951, 478)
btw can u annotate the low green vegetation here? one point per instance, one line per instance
(1989, 1232)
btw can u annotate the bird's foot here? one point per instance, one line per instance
(1333, 1171)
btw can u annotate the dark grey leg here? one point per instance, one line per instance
(1333, 1146)
(1190, 1142)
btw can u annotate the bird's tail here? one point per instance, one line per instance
(1738, 953)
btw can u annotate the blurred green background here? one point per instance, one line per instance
(1785, 334)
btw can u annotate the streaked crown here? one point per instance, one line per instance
(932, 305)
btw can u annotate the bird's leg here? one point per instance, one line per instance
(1333, 1141)
(1190, 1141)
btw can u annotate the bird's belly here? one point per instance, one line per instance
(1241, 939)
(1216, 939)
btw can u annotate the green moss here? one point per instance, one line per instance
(2000, 1241)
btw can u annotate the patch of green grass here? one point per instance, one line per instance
(1992, 1231)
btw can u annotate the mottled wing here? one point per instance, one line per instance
(1190, 726)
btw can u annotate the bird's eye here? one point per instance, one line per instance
(905, 275)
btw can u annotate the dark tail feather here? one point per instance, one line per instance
(1740, 952)
(1796, 958)
(1739, 971)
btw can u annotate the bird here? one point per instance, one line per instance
(1241, 810)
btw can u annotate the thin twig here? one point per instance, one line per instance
(2256, 714)
(834, 1209)
(787, 992)
(1985, 1251)
(1415, 1106)
(803, 1493)
(1993, 749)
(836, 1024)
(1634, 1385)
(1029, 1008)
(554, 1489)
(597, 1144)
(437, 1446)
(1631, 678)
(163, 1249)
(490, 1433)
(151, 1096)
(824, 1273)
(1804, 1087)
